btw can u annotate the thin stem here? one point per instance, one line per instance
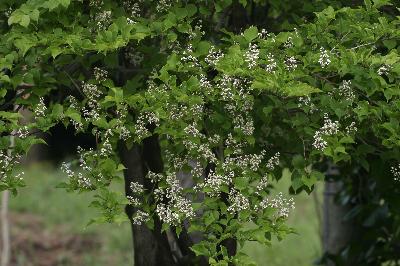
(5, 226)
(5, 229)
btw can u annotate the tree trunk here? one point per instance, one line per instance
(151, 247)
(337, 232)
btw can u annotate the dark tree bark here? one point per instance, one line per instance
(151, 247)
(337, 232)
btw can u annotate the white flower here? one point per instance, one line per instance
(271, 66)
(328, 129)
(252, 55)
(291, 63)
(345, 91)
(396, 172)
(306, 101)
(263, 34)
(280, 203)
(288, 43)
(238, 202)
(324, 59)
(213, 56)
(273, 161)
(136, 187)
(350, 129)
(40, 109)
(384, 70)
(100, 74)
(140, 217)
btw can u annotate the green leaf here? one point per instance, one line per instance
(24, 20)
(298, 162)
(200, 249)
(73, 114)
(250, 33)
(57, 110)
(297, 89)
(380, 3)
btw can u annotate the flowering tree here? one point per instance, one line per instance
(201, 110)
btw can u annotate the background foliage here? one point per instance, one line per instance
(233, 100)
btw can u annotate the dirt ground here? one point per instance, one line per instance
(32, 244)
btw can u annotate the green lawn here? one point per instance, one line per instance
(57, 207)
(296, 249)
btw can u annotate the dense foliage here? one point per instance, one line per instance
(233, 106)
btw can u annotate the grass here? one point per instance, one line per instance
(297, 249)
(57, 207)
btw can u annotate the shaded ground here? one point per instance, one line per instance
(33, 244)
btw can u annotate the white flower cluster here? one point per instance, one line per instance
(395, 172)
(92, 93)
(140, 217)
(305, 101)
(202, 149)
(251, 161)
(213, 183)
(280, 203)
(291, 63)
(142, 121)
(22, 132)
(225, 85)
(345, 91)
(351, 129)
(273, 161)
(40, 109)
(205, 84)
(124, 132)
(329, 128)
(100, 74)
(197, 30)
(233, 144)
(8, 161)
(136, 187)
(244, 124)
(132, 8)
(263, 34)
(154, 177)
(82, 181)
(177, 111)
(324, 59)
(164, 5)
(197, 169)
(384, 69)
(133, 201)
(262, 185)
(251, 56)
(192, 131)
(172, 206)
(213, 56)
(102, 20)
(271, 66)
(106, 147)
(73, 103)
(96, 3)
(189, 58)
(8, 12)
(289, 43)
(238, 202)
